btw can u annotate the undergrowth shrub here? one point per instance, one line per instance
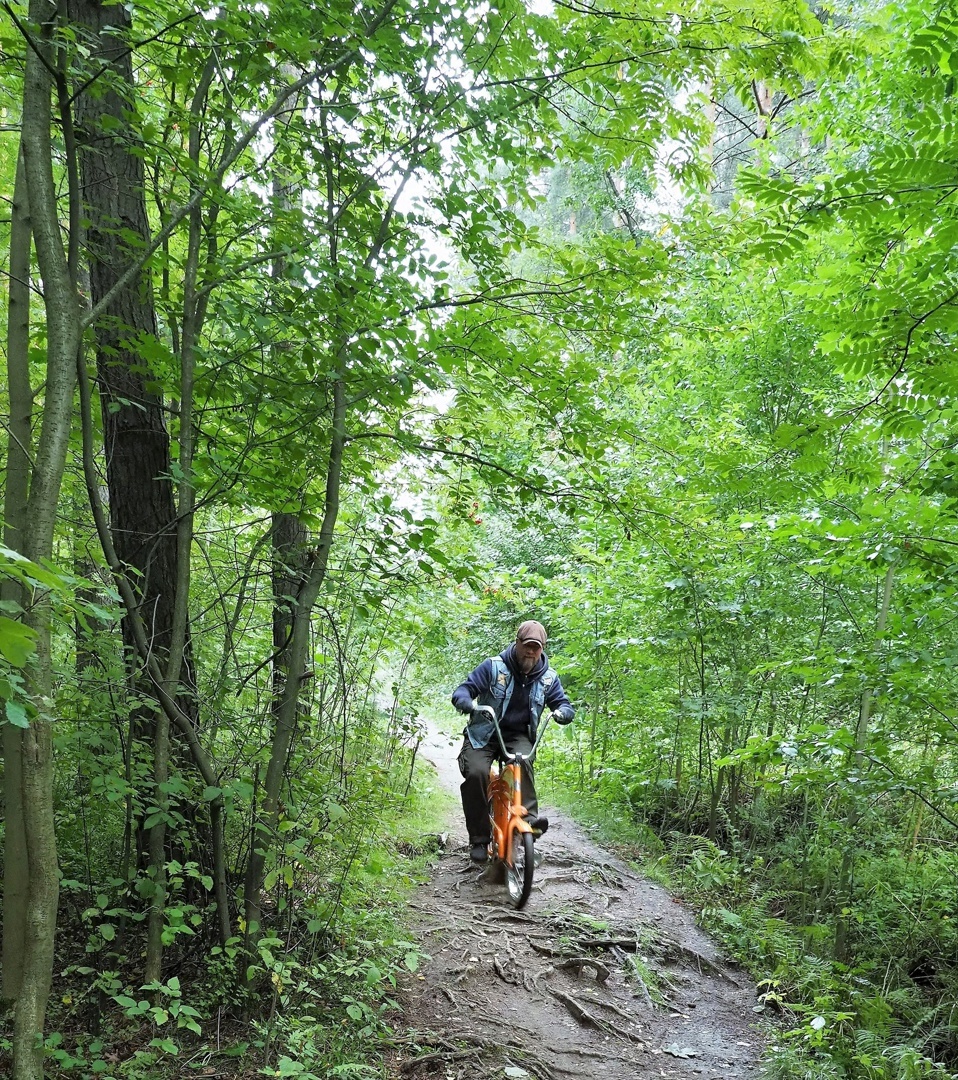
(315, 997)
(887, 1009)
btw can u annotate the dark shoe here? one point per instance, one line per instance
(479, 853)
(539, 826)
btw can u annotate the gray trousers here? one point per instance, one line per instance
(475, 765)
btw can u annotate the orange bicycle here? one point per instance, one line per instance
(513, 851)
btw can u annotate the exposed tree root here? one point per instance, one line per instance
(509, 915)
(612, 1007)
(577, 963)
(636, 977)
(583, 983)
(583, 1016)
(579, 879)
(476, 1049)
(629, 944)
(608, 875)
(512, 977)
(439, 1055)
(670, 949)
(447, 1052)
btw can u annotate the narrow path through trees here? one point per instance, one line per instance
(603, 973)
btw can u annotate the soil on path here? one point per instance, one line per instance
(601, 974)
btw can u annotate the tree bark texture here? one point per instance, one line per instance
(142, 510)
(143, 516)
(16, 490)
(46, 474)
(290, 538)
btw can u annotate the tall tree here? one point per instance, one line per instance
(16, 490)
(61, 303)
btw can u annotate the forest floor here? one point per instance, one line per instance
(603, 973)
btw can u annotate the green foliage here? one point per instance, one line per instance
(759, 451)
(701, 444)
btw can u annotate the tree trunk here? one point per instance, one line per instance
(142, 512)
(296, 660)
(143, 516)
(289, 546)
(288, 539)
(15, 873)
(63, 336)
(192, 322)
(853, 814)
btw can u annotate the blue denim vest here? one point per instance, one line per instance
(481, 730)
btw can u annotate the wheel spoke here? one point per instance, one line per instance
(521, 868)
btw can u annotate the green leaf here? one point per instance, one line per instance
(166, 1045)
(17, 714)
(17, 641)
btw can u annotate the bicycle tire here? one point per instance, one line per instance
(521, 868)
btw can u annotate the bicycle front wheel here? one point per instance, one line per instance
(520, 868)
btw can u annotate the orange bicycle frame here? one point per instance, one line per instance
(507, 812)
(512, 836)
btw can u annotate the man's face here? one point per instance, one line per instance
(527, 655)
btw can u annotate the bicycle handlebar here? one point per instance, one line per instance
(509, 758)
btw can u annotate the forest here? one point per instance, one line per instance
(434, 316)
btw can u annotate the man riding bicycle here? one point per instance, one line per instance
(519, 684)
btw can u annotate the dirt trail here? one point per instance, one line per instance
(601, 974)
